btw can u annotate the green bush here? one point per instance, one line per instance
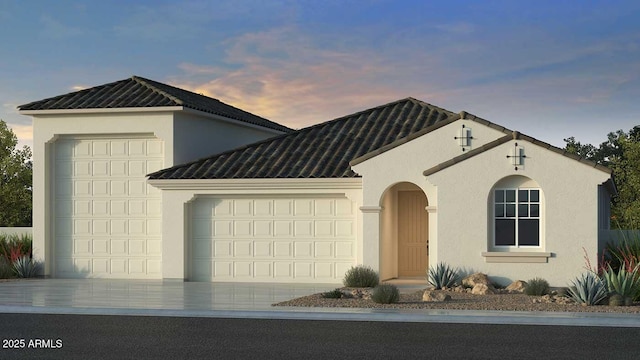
(385, 294)
(443, 276)
(587, 289)
(622, 282)
(537, 287)
(361, 276)
(25, 267)
(333, 294)
(6, 270)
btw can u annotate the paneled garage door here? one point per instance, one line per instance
(107, 219)
(275, 239)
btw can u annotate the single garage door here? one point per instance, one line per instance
(272, 239)
(107, 221)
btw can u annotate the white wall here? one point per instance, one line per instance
(198, 135)
(460, 213)
(16, 230)
(406, 163)
(570, 213)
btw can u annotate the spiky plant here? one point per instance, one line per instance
(385, 294)
(588, 289)
(622, 282)
(25, 267)
(443, 276)
(361, 276)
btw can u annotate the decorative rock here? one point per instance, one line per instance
(482, 289)
(435, 296)
(357, 293)
(474, 279)
(516, 286)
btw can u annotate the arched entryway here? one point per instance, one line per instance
(405, 232)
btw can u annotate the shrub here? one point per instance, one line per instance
(624, 283)
(587, 289)
(6, 270)
(443, 276)
(537, 287)
(361, 276)
(13, 246)
(385, 294)
(25, 267)
(333, 294)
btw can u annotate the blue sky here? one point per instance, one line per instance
(550, 69)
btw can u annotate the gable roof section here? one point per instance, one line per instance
(138, 92)
(319, 151)
(509, 135)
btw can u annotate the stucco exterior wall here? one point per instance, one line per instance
(405, 163)
(197, 135)
(570, 213)
(461, 205)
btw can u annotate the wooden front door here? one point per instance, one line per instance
(413, 234)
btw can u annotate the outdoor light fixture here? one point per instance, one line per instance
(517, 156)
(465, 137)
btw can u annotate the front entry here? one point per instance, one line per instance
(413, 232)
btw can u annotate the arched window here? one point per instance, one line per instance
(517, 213)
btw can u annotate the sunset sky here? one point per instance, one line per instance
(550, 69)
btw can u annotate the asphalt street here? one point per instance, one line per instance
(38, 336)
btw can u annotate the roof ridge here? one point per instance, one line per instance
(146, 82)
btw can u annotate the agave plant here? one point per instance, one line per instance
(623, 282)
(443, 276)
(25, 267)
(588, 289)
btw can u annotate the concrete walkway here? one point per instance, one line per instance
(242, 300)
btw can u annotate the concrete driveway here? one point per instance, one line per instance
(245, 300)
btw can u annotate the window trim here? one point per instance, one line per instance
(517, 217)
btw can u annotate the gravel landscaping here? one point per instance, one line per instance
(461, 301)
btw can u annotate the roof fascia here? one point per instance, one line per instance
(101, 110)
(257, 184)
(517, 136)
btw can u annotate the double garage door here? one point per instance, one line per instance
(272, 239)
(107, 221)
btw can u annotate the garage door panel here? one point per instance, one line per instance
(272, 239)
(107, 222)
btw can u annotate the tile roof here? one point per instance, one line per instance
(138, 92)
(319, 151)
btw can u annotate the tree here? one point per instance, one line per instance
(621, 153)
(16, 172)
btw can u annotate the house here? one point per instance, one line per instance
(125, 186)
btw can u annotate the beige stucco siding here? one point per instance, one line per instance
(569, 216)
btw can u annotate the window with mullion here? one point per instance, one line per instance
(517, 217)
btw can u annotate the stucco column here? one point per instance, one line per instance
(175, 222)
(433, 235)
(371, 236)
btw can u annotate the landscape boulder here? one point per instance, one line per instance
(517, 286)
(483, 289)
(475, 279)
(435, 296)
